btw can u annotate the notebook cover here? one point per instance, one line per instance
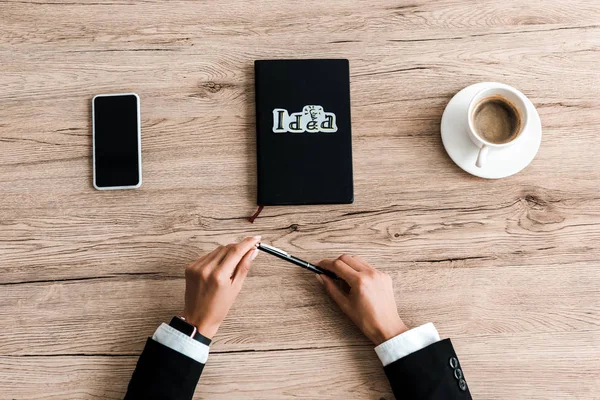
(303, 132)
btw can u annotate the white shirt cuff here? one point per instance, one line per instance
(181, 343)
(406, 343)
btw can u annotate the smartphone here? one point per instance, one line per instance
(117, 144)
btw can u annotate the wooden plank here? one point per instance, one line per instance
(492, 365)
(525, 225)
(463, 299)
(264, 375)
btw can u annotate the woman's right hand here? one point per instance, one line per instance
(369, 302)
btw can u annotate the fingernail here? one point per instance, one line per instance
(257, 237)
(320, 279)
(255, 253)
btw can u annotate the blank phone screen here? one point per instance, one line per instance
(116, 145)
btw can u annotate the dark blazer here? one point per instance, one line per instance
(432, 373)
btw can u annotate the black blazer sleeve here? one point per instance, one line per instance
(163, 373)
(432, 373)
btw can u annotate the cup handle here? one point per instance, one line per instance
(481, 157)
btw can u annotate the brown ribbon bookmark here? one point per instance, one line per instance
(255, 215)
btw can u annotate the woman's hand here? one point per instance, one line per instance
(213, 282)
(369, 302)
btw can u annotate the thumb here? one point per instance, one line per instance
(334, 292)
(241, 271)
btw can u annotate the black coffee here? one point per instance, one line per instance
(496, 120)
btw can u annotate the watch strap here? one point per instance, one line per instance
(189, 330)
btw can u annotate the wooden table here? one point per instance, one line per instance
(509, 269)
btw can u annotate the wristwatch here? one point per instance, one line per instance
(180, 324)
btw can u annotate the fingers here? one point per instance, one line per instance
(216, 256)
(355, 262)
(335, 292)
(208, 259)
(362, 261)
(235, 253)
(241, 271)
(341, 269)
(222, 254)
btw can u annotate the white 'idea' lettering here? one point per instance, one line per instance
(311, 119)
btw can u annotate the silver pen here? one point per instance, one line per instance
(294, 260)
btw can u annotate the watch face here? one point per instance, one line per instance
(182, 326)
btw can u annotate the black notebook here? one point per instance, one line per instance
(303, 132)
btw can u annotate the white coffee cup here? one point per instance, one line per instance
(514, 97)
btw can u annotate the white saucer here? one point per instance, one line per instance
(500, 163)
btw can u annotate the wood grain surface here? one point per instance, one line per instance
(509, 269)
